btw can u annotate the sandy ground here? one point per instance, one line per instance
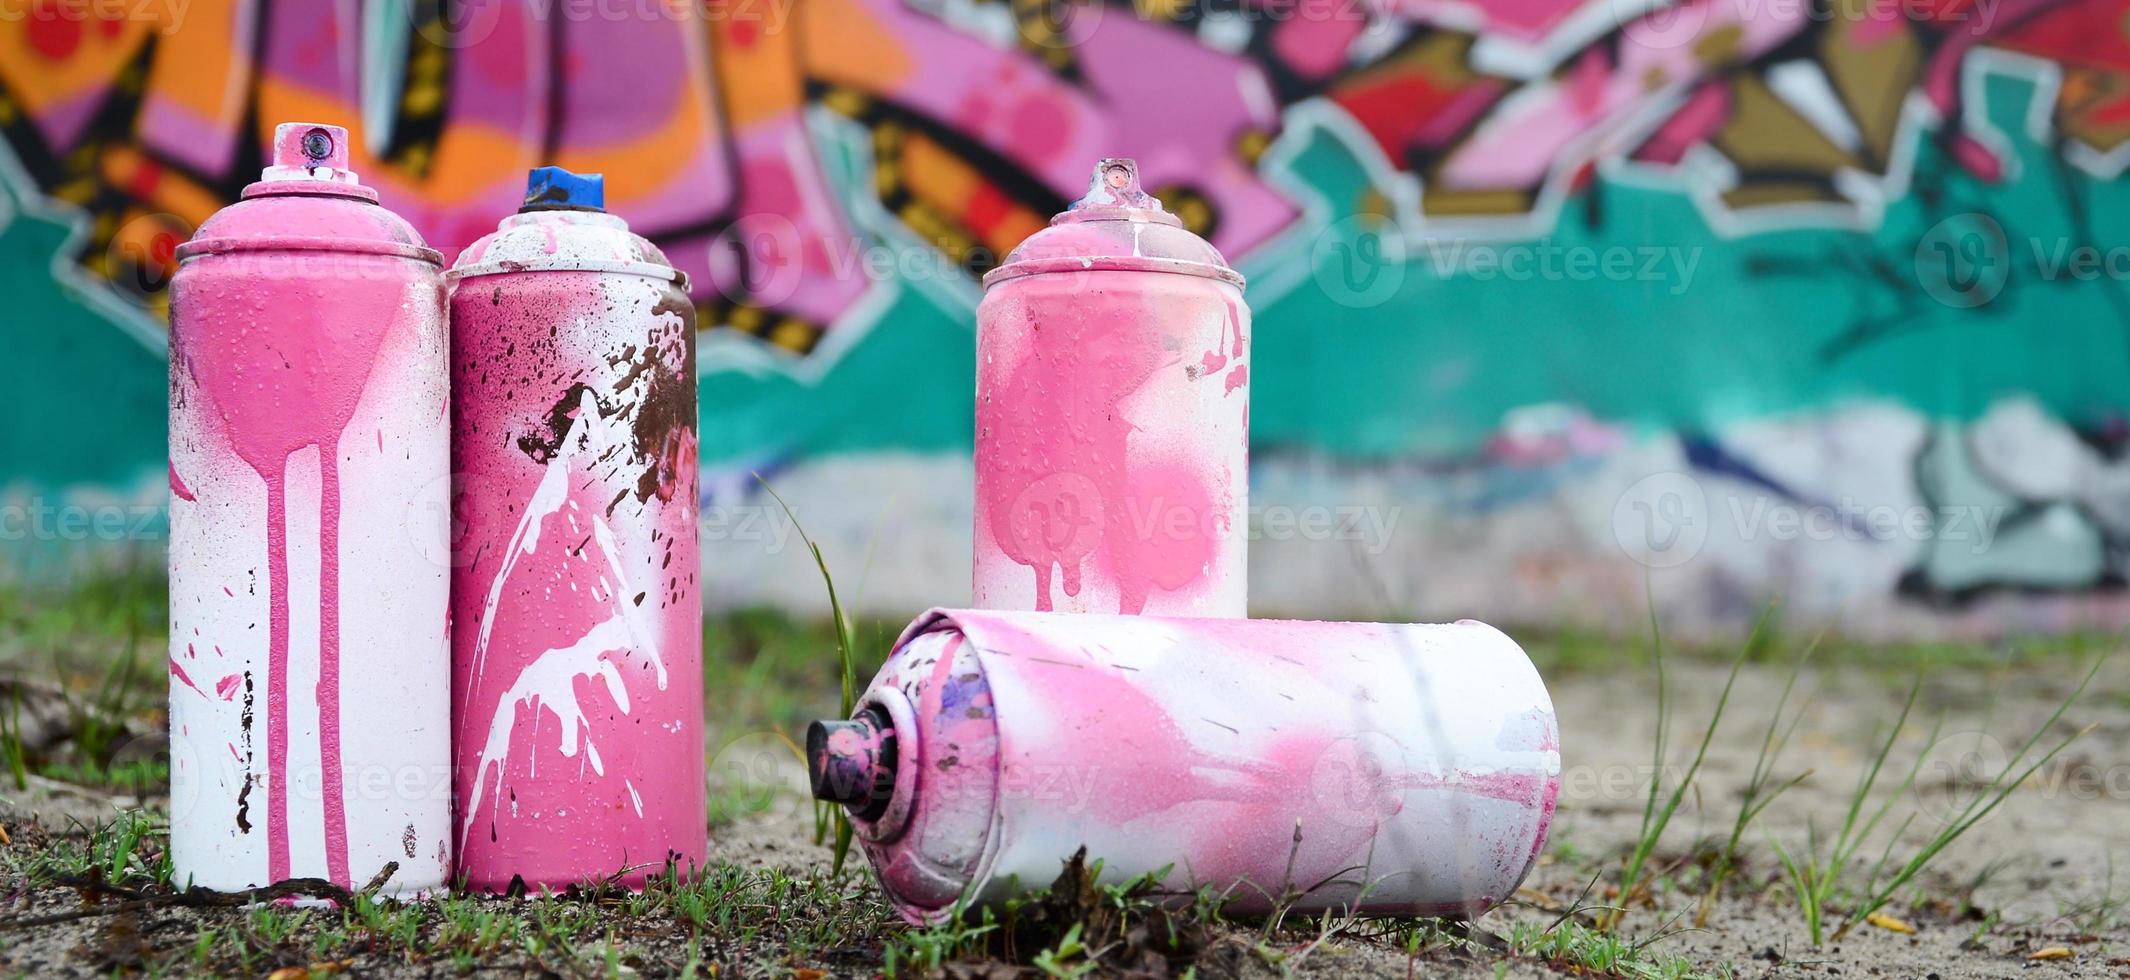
(2046, 855)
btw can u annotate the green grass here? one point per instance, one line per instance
(1761, 788)
(130, 851)
(829, 817)
(1659, 808)
(1823, 872)
(767, 674)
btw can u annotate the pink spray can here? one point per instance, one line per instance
(1392, 770)
(1113, 415)
(310, 678)
(577, 686)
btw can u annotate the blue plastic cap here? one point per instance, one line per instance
(549, 188)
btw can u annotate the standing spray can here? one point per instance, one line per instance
(1113, 415)
(1390, 770)
(577, 685)
(310, 678)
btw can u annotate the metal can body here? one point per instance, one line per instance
(1112, 417)
(1391, 769)
(309, 666)
(577, 639)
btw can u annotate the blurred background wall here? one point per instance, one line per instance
(1743, 299)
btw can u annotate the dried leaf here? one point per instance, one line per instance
(1538, 898)
(311, 972)
(2050, 953)
(1890, 924)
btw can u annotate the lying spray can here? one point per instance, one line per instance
(1392, 770)
(577, 628)
(1113, 415)
(309, 668)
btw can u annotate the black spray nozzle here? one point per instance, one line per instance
(853, 762)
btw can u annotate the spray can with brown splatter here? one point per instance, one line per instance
(577, 691)
(308, 660)
(1113, 415)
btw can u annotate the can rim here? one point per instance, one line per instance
(308, 243)
(647, 270)
(1112, 263)
(902, 716)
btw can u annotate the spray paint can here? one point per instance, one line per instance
(1113, 415)
(309, 671)
(577, 691)
(1391, 769)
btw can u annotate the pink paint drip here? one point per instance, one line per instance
(280, 386)
(179, 673)
(178, 487)
(1059, 482)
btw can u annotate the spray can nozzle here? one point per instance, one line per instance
(853, 762)
(315, 156)
(1115, 184)
(556, 189)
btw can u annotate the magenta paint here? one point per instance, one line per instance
(577, 639)
(1419, 763)
(1113, 415)
(307, 396)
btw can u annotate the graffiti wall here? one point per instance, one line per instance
(1819, 300)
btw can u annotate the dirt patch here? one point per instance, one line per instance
(2031, 879)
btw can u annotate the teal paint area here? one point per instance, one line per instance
(89, 396)
(1635, 305)
(1638, 301)
(906, 386)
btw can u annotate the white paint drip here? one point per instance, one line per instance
(547, 498)
(549, 680)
